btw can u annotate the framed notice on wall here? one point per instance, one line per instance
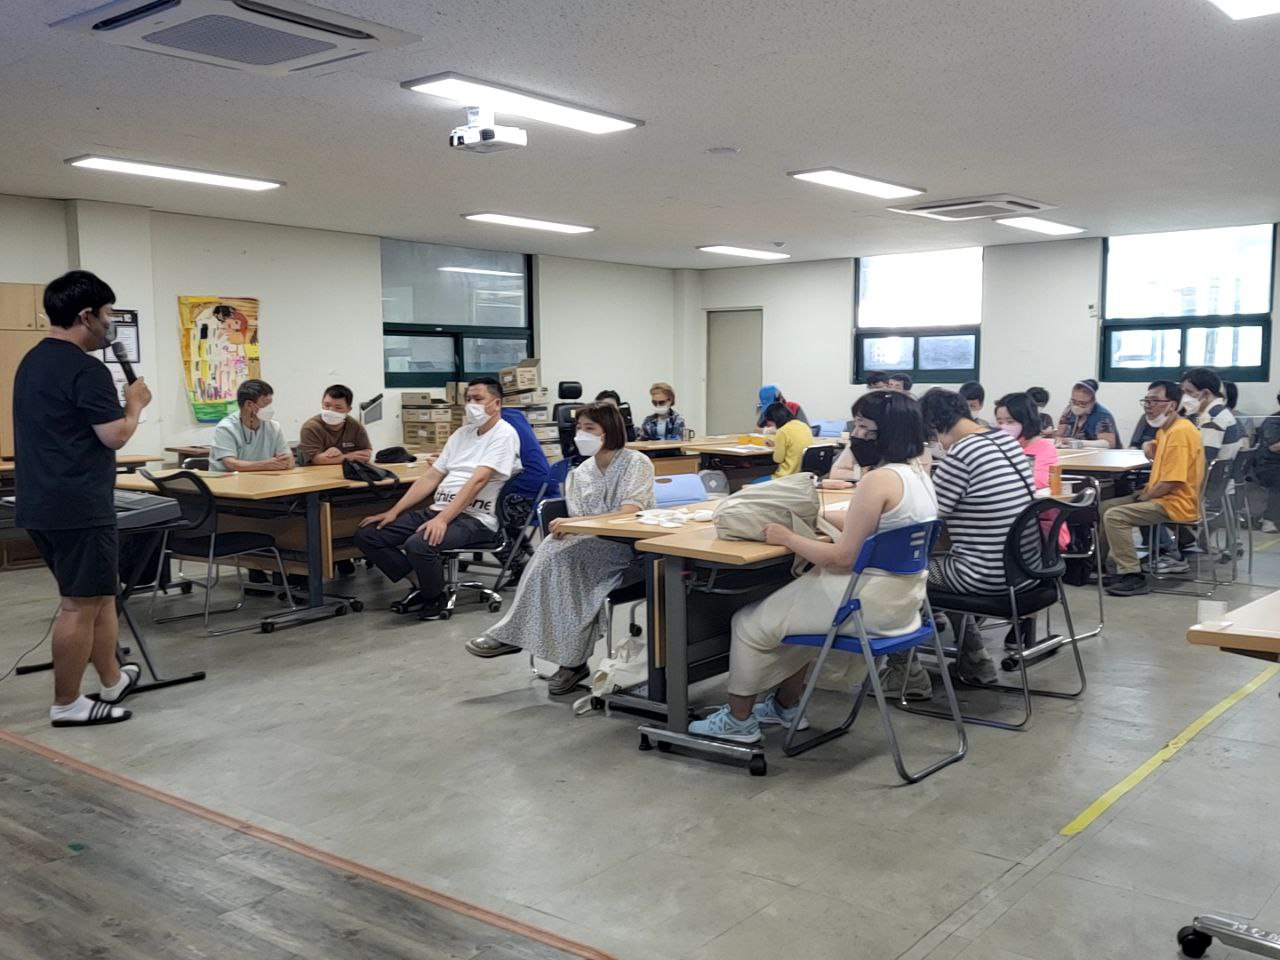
(126, 332)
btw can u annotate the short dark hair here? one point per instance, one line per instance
(1171, 390)
(340, 392)
(1202, 378)
(253, 390)
(972, 390)
(1023, 409)
(1231, 392)
(943, 409)
(608, 395)
(72, 292)
(778, 414)
(1039, 395)
(872, 377)
(899, 425)
(490, 384)
(608, 418)
(902, 378)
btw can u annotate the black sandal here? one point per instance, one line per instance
(100, 713)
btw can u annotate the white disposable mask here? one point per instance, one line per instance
(663, 410)
(588, 444)
(1159, 421)
(1078, 410)
(332, 417)
(1190, 403)
(268, 412)
(770, 431)
(475, 414)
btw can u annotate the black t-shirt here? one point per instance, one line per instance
(65, 475)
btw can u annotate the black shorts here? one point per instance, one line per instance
(85, 561)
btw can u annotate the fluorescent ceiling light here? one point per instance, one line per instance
(1041, 226)
(487, 273)
(469, 92)
(1247, 9)
(746, 252)
(184, 174)
(843, 180)
(529, 223)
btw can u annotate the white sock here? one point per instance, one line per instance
(77, 709)
(112, 693)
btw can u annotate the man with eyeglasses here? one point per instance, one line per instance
(1172, 494)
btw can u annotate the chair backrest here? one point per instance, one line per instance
(815, 429)
(557, 476)
(195, 499)
(566, 425)
(678, 490)
(902, 550)
(1216, 480)
(1031, 548)
(1242, 464)
(553, 509)
(569, 390)
(195, 463)
(818, 460)
(500, 508)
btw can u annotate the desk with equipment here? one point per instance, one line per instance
(1251, 631)
(304, 508)
(688, 637)
(742, 459)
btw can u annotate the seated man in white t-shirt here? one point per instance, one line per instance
(465, 480)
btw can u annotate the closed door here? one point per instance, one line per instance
(734, 349)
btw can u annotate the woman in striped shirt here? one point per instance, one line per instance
(983, 484)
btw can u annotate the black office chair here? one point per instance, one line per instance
(818, 460)
(195, 463)
(454, 560)
(1039, 572)
(1215, 505)
(1238, 498)
(200, 540)
(570, 393)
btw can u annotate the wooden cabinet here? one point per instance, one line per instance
(14, 345)
(18, 306)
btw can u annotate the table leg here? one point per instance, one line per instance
(318, 607)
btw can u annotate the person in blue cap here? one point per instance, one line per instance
(769, 395)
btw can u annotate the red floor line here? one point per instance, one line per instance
(398, 884)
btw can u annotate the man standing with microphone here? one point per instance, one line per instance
(68, 423)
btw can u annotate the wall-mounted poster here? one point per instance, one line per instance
(219, 337)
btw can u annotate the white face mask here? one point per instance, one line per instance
(475, 414)
(663, 410)
(332, 417)
(268, 412)
(1079, 410)
(1190, 403)
(769, 431)
(1159, 421)
(588, 444)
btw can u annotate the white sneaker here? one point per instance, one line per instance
(1166, 565)
(770, 713)
(1269, 526)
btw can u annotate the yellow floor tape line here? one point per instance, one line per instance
(1100, 806)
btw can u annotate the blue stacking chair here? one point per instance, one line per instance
(551, 487)
(904, 550)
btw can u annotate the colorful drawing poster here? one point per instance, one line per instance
(219, 337)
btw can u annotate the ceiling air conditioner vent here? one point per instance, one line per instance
(975, 208)
(276, 38)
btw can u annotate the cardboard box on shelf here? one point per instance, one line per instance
(552, 452)
(525, 375)
(427, 432)
(454, 391)
(547, 434)
(418, 399)
(525, 398)
(537, 415)
(439, 413)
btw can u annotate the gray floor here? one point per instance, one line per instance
(383, 741)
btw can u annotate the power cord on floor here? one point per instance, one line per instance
(30, 650)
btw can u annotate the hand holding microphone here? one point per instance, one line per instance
(137, 392)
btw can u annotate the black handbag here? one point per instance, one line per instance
(394, 455)
(367, 472)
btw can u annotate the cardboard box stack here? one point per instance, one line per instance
(427, 422)
(522, 389)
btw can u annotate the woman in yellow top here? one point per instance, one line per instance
(789, 443)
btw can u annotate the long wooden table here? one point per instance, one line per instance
(271, 499)
(1252, 630)
(1096, 460)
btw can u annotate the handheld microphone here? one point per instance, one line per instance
(122, 358)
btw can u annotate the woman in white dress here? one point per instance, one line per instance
(558, 612)
(895, 491)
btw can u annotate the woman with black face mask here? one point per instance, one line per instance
(894, 491)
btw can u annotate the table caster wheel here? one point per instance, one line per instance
(268, 628)
(185, 589)
(664, 747)
(446, 614)
(357, 605)
(636, 630)
(1009, 663)
(495, 606)
(645, 743)
(758, 767)
(1193, 942)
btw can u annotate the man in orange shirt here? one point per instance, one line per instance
(1172, 493)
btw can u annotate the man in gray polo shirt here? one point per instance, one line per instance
(251, 439)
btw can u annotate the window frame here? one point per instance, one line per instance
(458, 333)
(917, 373)
(1259, 373)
